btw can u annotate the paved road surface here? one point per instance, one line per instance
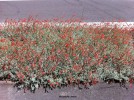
(97, 92)
(88, 10)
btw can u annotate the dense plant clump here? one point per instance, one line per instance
(35, 53)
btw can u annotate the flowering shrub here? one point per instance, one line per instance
(37, 53)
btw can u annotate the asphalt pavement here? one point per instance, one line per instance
(87, 10)
(100, 91)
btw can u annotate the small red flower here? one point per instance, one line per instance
(23, 20)
(66, 45)
(26, 68)
(20, 76)
(57, 83)
(102, 36)
(63, 36)
(43, 73)
(58, 51)
(77, 57)
(52, 84)
(33, 42)
(89, 59)
(74, 55)
(96, 55)
(66, 56)
(4, 67)
(33, 65)
(19, 43)
(1, 26)
(13, 43)
(4, 47)
(53, 68)
(100, 61)
(76, 68)
(48, 81)
(9, 76)
(2, 40)
(105, 56)
(131, 82)
(94, 81)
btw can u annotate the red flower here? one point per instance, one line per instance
(4, 48)
(53, 57)
(105, 57)
(2, 40)
(1, 26)
(100, 61)
(58, 51)
(57, 83)
(95, 81)
(130, 81)
(76, 68)
(63, 36)
(19, 43)
(23, 20)
(13, 43)
(48, 81)
(102, 36)
(33, 42)
(53, 68)
(66, 56)
(20, 76)
(9, 76)
(4, 67)
(43, 73)
(83, 53)
(89, 59)
(96, 55)
(52, 85)
(26, 68)
(33, 65)
(74, 55)
(77, 57)
(66, 45)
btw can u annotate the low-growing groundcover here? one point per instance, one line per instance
(36, 53)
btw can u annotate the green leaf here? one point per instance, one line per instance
(36, 86)
(32, 87)
(33, 79)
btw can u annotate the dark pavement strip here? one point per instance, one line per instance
(101, 91)
(88, 10)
